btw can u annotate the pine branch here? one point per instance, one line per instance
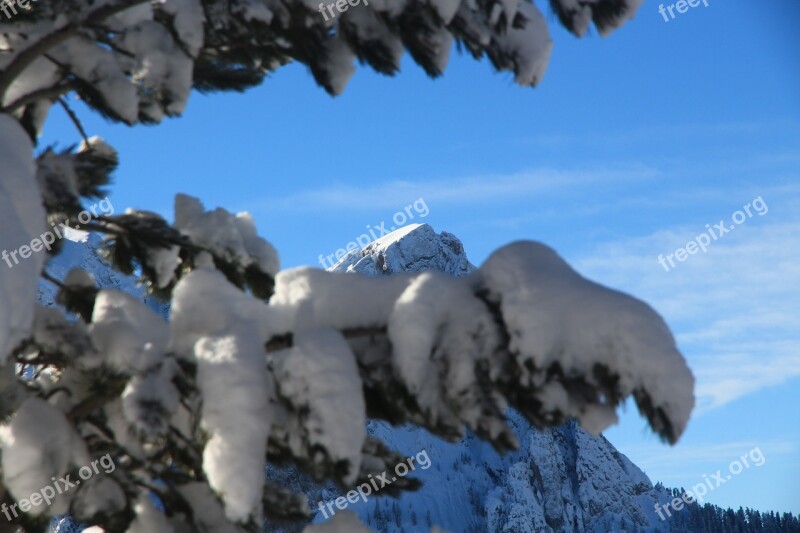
(48, 93)
(27, 56)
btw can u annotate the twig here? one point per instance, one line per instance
(75, 120)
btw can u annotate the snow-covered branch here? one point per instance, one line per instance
(47, 42)
(255, 365)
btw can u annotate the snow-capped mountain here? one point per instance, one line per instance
(412, 248)
(561, 479)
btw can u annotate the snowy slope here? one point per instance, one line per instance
(80, 250)
(561, 479)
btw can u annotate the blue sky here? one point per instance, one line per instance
(628, 148)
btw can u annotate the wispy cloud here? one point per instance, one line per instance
(734, 309)
(689, 461)
(730, 375)
(457, 191)
(702, 453)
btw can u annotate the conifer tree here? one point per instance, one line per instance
(251, 361)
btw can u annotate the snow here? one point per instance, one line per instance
(204, 303)
(148, 518)
(98, 146)
(439, 333)
(440, 42)
(131, 16)
(206, 509)
(53, 333)
(159, 65)
(459, 492)
(342, 522)
(580, 13)
(391, 8)
(132, 339)
(446, 9)
(125, 432)
(510, 8)
(148, 73)
(309, 298)
(233, 383)
(39, 75)
(129, 336)
(556, 317)
(233, 238)
(145, 72)
(101, 68)
(82, 263)
(339, 66)
(189, 20)
(581, 480)
(369, 28)
(559, 476)
(516, 506)
(529, 46)
(415, 248)
(254, 10)
(38, 443)
(319, 377)
(100, 493)
(22, 218)
(60, 174)
(164, 262)
(154, 387)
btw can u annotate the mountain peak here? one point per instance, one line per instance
(412, 248)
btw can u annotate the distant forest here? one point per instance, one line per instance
(708, 518)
